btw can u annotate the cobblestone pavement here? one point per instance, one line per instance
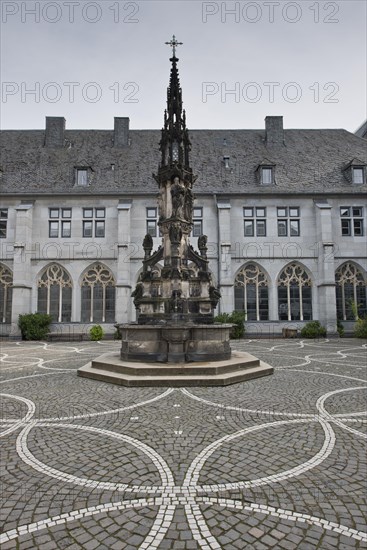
(277, 462)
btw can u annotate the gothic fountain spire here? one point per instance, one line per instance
(175, 144)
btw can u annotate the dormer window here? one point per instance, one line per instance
(355, 172)
(226, 162)
(266, 175)
(265, 172)
(81, 177)
(358, 176)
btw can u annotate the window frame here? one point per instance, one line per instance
(79, 171)
(4, 216)
(289, 217)
(350, 218)
(92, 215)
(85, 222)
(197, 220)
(269, 170)
(64, 232)
(151, 227)
(362, 171)
(254, 217)
(56, 223)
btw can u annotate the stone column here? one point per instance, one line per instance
(123, 283)
(22, 269)
(326, 267)
(225, 276)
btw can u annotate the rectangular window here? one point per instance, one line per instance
(152, 224)
(3, 222)
(352, 221)
(358, 228)
(66, 213)
(282, 228)
(82, 177)
(152, 228)
(197, 216)
(94, 222)
(346, 227)
(344, 212)
(87, 212)
(266, 176)
(152, 213)
(87, 229)
(53, 232)
(254, 220)
(63, 217)
(249, 228)
(358, 175)
(294, 228)
(357, 212)
(66, 229)
(197, 230)
(293, 212)
(100, 229)
(54, 212)
(288, 221)
(282, 212)
(100, 213)
(261, 228)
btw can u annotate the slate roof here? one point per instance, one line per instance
(311, 161)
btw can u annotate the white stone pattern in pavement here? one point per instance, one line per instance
(23, 360)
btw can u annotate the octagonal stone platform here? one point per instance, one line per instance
(240, 367)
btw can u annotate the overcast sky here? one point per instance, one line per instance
(90, 61)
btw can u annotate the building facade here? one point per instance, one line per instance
(284, 212)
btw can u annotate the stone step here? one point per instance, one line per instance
(113, 363)
(243, 366)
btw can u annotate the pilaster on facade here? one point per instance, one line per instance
(123, 283)
(225, 275)
(326, 266)
(22, 286)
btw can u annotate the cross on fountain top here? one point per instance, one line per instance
(173, 43)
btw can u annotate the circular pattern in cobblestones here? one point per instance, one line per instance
(272, 463)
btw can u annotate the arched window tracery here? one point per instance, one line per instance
(294, 294)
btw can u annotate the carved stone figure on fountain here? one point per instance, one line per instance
(148, 245)
(214, 295)
(137, 294)
(178, 194)
(175, 234)
(202, 245)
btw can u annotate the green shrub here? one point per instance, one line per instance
(96, 333)
(117, 334)
(34, 326)
(340, 328)
(313, 329)
(235, 318)
(360, 328)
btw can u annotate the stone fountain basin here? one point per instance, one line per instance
(175, 343)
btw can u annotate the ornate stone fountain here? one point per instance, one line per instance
(175, 296)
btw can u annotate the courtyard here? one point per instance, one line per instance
(278, 462)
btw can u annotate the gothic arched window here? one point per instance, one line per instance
(98, 295)
(350, 292)
(6, 292)
(54, 294)
(294, 294)
(251, 293)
